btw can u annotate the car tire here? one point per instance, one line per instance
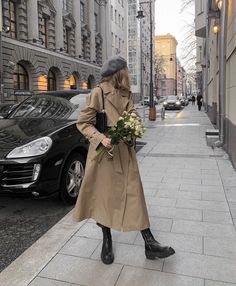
(71, 178)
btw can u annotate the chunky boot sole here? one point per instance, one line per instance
(154, 254)
(108, 260)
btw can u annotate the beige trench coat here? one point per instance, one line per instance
(111, 192)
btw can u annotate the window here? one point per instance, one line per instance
(82, 12)
(96, 22)
(65, 5)
(43, 30)
(51, 81)
(119, 21)
(112, 39)
(21, 79)
(112, 13)
(12, 19)
(67, 40)
(115, 16)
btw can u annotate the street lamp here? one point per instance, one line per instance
(152, 108)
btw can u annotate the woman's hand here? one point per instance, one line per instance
(106, 142)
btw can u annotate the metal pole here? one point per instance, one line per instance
(152, 109)
(1, 65)
(141, 69)
(222, 68)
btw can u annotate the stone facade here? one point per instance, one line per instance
(55, 40)
(208, 15)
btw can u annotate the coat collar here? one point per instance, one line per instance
(117, 98)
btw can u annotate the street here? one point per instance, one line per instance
(23, 220)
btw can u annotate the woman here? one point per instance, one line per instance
(111, 192)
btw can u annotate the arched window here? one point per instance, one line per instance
(52, 85)
(21, 78)
(73, 82)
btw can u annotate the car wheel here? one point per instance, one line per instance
(71, 178)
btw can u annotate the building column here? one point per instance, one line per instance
(106, 31)
(78, 39)
(59, 32)
(33, 23)
(92, 31)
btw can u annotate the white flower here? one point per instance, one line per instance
(133, 114)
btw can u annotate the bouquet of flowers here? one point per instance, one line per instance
(128, 127)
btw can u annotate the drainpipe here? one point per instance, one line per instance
(222, 69)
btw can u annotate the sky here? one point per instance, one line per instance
(168, 19)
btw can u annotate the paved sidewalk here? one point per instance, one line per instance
(190, 191)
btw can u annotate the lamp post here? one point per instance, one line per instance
(152, 108)
(1, 65)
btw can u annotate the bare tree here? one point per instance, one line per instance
(188, 56)
(159, 70)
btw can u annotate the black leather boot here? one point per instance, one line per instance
(107, 255)
(153, 248)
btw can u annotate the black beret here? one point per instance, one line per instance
(113, 65)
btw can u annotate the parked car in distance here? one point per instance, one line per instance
(6, 108)
(183, 100)
(172, 102)
(41, 149)
(147, 100)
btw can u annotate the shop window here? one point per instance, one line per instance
(52, 85)
(21, 78)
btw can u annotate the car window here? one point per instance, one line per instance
(44, 106)
(172, 97)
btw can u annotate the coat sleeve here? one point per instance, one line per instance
(87, 119)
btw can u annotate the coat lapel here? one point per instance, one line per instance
(116, 98)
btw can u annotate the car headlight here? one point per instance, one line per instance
(35, 148)
(178, 102)
(164, 103)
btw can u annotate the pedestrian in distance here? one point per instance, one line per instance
(199, 101)
(193, 99)
(111, 192)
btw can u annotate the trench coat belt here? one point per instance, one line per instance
(117, 160)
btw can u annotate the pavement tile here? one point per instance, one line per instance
(203, 228)
(209, 171)
(212, 182)
(166, 202)
(177, 213)
(178, 194)
(202, 266)
(79, 246)
(181, 181)
(39, 281)
(149, 192)
(216, 283)
(232, 207)
(220, 247)
(217, 217)
(201, 188)
(181, 242)
(219, 197)
(133, 255)
(91, 230)
(204, 205)
(140, 277)
(231, 194)
(160, 224)
(81, 271)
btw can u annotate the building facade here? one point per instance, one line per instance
(165, 51)
(215, 28)
(51, 45)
